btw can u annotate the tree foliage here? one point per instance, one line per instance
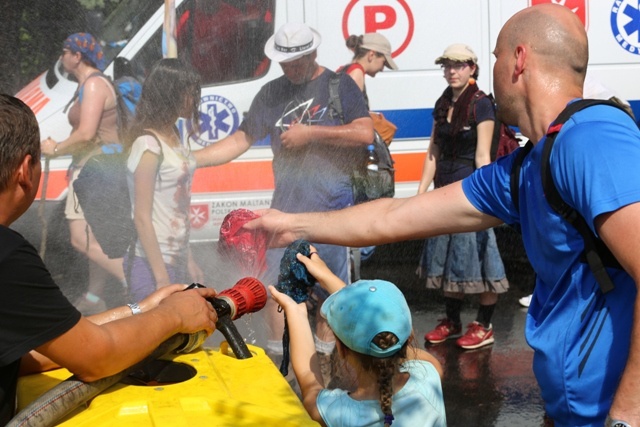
(33, 32)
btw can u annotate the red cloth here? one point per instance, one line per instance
(244, 248)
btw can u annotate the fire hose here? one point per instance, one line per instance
(248, 295)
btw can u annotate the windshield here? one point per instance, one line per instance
(123, 23)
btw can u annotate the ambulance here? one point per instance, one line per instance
(226, 48)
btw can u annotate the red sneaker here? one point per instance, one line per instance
(476, 336)
(446, 329)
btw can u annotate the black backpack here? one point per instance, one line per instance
(367, 184)
(596, 253)
(103, 194)
(102, 191)
(504, 140)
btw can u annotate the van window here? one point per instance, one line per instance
(222, 40)
(123, 23)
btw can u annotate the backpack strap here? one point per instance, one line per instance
(471, 114)
(151, 133)
(76, 94)
(335, 104)
(514, 182)
(596, 253)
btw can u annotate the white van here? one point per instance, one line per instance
(227, 49)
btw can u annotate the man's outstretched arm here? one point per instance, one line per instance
(442, 211)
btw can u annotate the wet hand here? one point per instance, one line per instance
(296, 136)
(318, 269)
(276, 224)
(314, 264)
(194, 312)
(154, 299)
(287, 303)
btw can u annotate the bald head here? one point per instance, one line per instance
(554, 34)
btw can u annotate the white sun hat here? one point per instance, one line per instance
(292, 41)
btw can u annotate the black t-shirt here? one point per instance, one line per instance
(32, 308)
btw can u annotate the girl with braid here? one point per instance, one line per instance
(394, 382)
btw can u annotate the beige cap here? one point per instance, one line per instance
(458, 52)
(379, 43)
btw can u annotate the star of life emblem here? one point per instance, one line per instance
(625, 24)
(219, 118)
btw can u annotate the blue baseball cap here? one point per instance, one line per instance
(360, 311)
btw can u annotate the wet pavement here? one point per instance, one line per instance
(486, 387)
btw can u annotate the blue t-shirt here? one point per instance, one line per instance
(315, 177)
(418, 404)
(580, 336)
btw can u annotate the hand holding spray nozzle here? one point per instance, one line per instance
(248, 295)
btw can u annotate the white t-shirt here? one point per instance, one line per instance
(172, 195)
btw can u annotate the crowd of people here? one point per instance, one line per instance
(572, 325)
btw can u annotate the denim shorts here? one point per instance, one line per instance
(465, 262)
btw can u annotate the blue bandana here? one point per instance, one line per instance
(87, 45)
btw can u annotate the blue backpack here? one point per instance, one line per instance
(128, 91)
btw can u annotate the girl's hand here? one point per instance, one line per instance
(289, 306)
(314, 264)
(318, 269)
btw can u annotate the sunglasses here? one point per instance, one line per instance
(456, 66)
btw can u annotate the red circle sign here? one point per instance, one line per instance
(372, 24)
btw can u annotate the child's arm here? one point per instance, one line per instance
(318, 269)
(303, 352)
(144, 178)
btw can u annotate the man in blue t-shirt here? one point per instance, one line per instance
(587, 344)
(314, 151)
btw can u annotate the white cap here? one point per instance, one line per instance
(292, 41)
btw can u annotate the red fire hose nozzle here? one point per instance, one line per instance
(248, 295)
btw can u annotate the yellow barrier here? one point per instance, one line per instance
(224, 391)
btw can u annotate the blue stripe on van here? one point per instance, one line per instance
(416, 123)
(635, 106)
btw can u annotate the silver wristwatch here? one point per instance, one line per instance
(135, 308)
(615, 423)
